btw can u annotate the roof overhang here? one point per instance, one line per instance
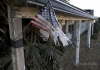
(57, 5)
(63, 7)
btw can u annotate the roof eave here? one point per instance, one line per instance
(68, 9)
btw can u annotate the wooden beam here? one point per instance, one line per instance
(89, 34)
(66, 26)
(26, 12)
(15, 27)
(92, 27)
(77, 34)
(65, 16)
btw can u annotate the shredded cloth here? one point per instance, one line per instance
(49, 24)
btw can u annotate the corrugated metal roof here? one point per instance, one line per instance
(64, 7)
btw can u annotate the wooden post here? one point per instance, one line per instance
(15, 27)
(77, 34)
(74, 33)
(89, 34)
(66, 26)
(92, 28)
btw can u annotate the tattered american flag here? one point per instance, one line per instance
(39, 22)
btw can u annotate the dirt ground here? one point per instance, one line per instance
(89, 57)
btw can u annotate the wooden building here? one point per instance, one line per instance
(73, 20)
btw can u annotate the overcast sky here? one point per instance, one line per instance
(88, 4)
